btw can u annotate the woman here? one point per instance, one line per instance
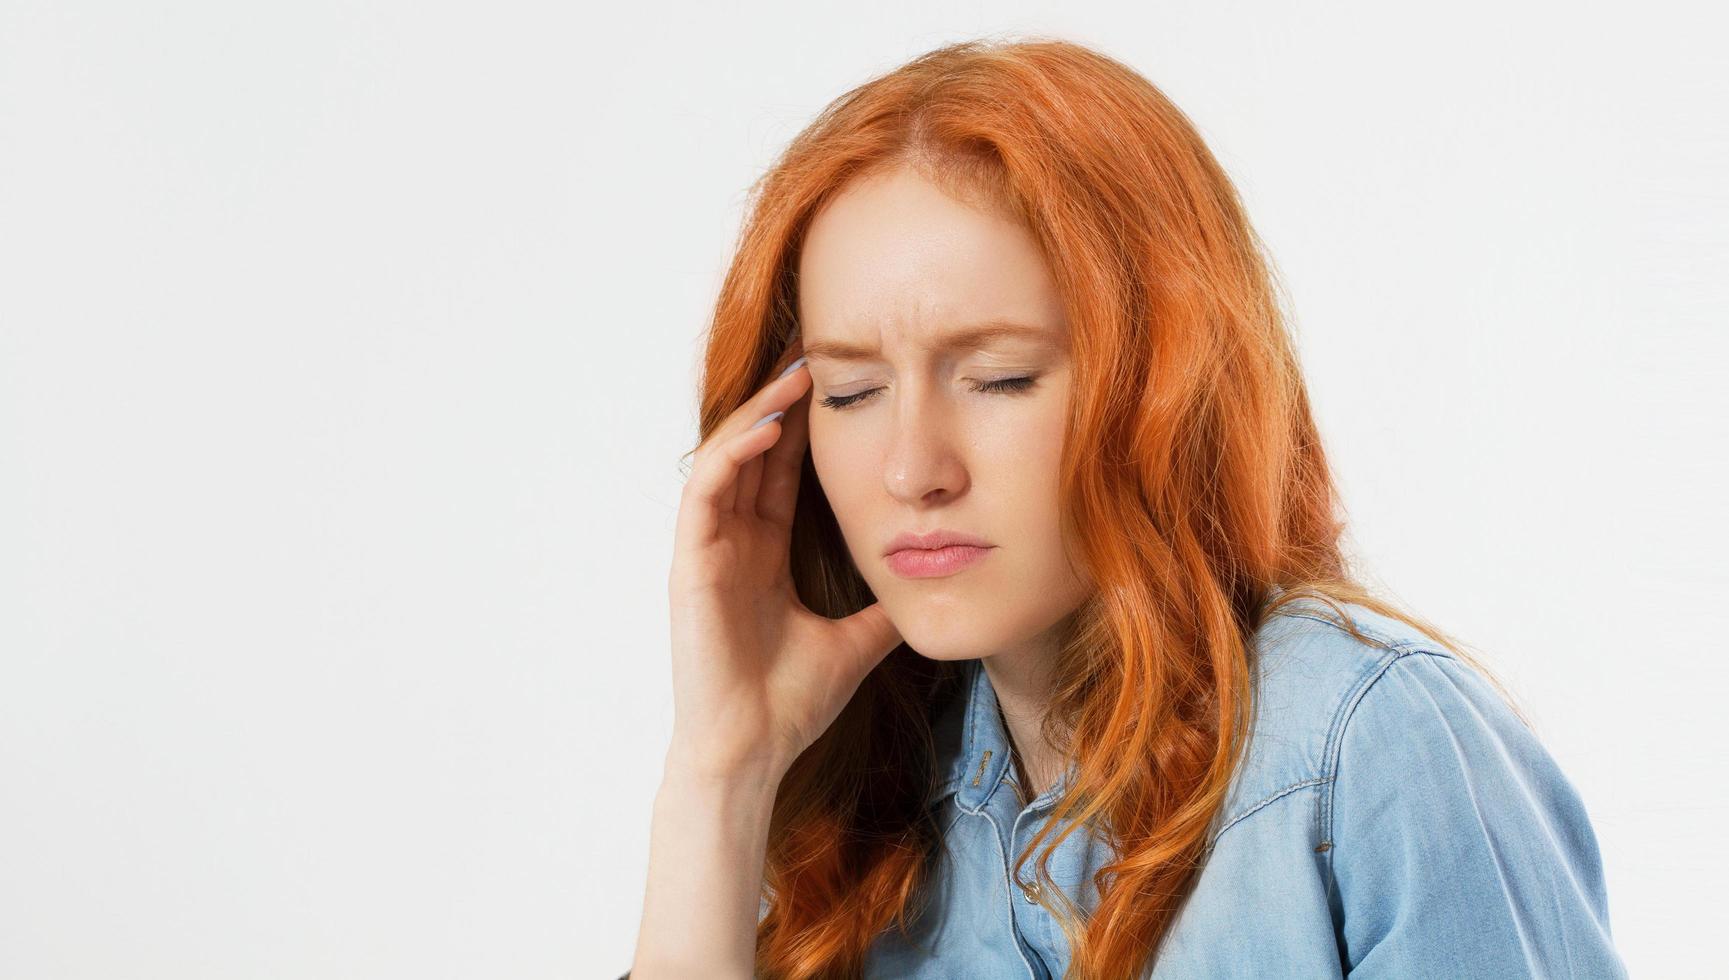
(1011, 632)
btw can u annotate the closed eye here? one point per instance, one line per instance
(1004, 385)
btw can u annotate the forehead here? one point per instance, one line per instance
(894, 261)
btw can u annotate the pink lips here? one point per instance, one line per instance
(933, 563)
(934, 553)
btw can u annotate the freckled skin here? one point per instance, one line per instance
(894, 263)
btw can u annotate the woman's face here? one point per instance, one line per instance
(915, 429)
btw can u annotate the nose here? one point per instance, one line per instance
(923, 464)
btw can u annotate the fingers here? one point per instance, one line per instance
(773, 397)
(744, 495)
(712, 490)
(871, 636)
(777, 498)
(749, 478)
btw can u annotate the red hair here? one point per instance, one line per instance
(1193, 481)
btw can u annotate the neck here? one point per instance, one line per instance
(1022, 682)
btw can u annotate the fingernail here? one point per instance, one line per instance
(790, 368)
(766, 419)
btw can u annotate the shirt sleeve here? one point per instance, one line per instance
(1458, 846)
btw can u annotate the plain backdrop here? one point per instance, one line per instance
(348, 351)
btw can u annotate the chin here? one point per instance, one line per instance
(944, 655)
(948, 637)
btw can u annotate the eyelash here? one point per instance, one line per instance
(1009, 386)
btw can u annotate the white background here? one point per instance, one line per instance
(347, 352)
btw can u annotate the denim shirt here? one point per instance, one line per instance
(1392, 817)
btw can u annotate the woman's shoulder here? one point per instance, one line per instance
(1443, 825)
(1454, 835)
(1314, 669)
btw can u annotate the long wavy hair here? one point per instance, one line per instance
(1193, 482)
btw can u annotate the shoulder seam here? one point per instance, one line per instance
(1269, 800)
(1395, 649)
(1341, 721)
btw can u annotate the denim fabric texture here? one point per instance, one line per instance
(1392, 818)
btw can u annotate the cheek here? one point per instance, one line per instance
(1022, 469)
(1020, 450)
(840, 469)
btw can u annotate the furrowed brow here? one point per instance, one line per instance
(967, 338)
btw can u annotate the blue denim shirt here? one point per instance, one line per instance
(1392, 818)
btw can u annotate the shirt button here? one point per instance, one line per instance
(1031, 891)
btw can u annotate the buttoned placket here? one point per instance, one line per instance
(1031, 923)
(1031, 888)
(1020, 918)
(1031, 818)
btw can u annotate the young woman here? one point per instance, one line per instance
(1011, 632)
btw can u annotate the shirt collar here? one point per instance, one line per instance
(973, 746)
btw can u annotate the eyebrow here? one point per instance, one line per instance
(970, 337)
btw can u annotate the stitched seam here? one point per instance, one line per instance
(1009, 890)
(1276, 796)
(1341, 721)
(947, 790)
(987, 797)
(1394, 650)
(1335, 736)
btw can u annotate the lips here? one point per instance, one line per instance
(933, 554)
(942, 537)
(934, 562)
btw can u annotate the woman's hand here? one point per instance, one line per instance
(757, 676)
